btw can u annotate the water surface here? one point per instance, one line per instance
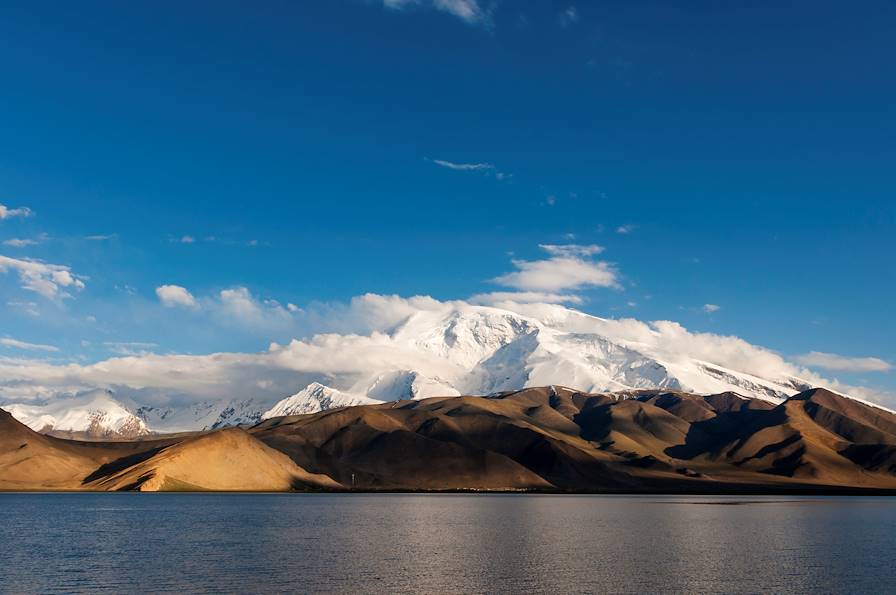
(227, 543)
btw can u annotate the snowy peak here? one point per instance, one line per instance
(95, 414)
(398, 385)
(464, 336)
(204, 415)
(313, 398)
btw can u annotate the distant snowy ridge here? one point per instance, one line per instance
(313, 398)
(96, 413)
(425, 348)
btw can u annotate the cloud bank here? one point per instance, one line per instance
(354, 343)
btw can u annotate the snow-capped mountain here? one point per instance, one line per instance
(97, 414)
(435, 349)
(482, 350)
(313, 398)
(204, 415)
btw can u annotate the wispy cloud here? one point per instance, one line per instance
(175, 296)
(192, 239)
(9, 213)
(48, 280)
(571, 250)
(99, 237)
(467, 10)
(484, 167)
(130, 347)
(568, 17)
(624, 229)
(20, 242)
(464, 166)
(710, 308)
(10, 342)
(29, 308)
(25, 242)
(238, 306)
(842, 363)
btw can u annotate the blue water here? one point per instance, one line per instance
(238, 543)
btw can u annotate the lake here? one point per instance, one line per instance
(459, 543)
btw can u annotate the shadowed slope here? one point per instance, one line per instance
(815, 436)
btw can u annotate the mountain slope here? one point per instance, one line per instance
(543, 438)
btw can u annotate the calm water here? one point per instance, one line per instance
(122, 543)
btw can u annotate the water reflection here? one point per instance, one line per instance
(444, 544)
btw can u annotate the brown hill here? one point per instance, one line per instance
(29, 460)
(226, 460)
(549, 439)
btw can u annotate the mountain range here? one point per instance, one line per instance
(536, 439)
(452, 349)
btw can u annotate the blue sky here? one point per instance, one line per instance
(736, 156)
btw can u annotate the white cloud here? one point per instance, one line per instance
(187, 240)
(710, 308)
(99, 237)
(43, 278)
(571, 250)
(567, 269)
(463, 166)
(487, 168)
(466, 10)
(624, 229)
(8, 213)
(20, 242)
(238, 306)
(842, 363)
(130, 347)
(10, 342)
(174, 296)
(29, 308)
(570, 16)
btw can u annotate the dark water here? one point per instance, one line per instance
(124, 543)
